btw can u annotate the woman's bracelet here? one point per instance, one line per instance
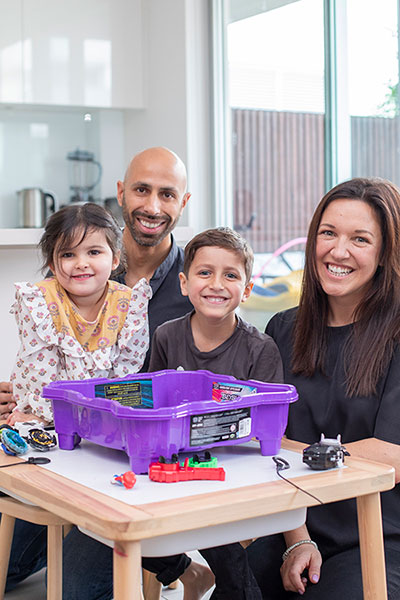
(285, 555)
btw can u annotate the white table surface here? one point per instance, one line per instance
(93, 466)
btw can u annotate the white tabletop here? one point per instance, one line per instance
(94, 466)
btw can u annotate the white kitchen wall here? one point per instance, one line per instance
(16, 264)
(177, 82)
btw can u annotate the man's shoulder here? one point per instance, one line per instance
(169, 270)
(119, 276)
(177, 256)
(180, 252)
(173, 260)
(166, 277)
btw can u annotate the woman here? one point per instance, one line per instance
(340, 348)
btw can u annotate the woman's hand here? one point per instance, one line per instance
(304, 557)
(378, 451)
(6, 399)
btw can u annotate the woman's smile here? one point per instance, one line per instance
(338, 271)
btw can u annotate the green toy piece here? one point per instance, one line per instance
(206, 461)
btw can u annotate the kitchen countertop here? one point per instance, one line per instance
(20, 237)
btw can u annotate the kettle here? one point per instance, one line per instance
(36, 206)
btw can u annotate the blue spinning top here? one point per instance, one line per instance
(12, 442)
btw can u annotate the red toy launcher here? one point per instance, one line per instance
(173, 472)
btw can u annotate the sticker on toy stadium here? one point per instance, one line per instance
(226, 392)
(220, 426)
(138, 394)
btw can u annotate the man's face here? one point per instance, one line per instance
(152, 197)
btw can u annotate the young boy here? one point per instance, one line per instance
(216, 276)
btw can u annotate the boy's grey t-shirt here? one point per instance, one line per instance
(247, 354)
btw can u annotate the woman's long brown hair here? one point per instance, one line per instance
(377, 317)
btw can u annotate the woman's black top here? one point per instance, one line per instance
(324, 407)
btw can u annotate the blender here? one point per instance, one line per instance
(84, 174)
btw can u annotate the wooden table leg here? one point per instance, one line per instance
(6, 536)
(127, 571)
(371, 547)
(54, 562)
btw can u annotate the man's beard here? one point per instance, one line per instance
(147, 239)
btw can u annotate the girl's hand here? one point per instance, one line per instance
(301, 558)
(17, 417)
(6, 399)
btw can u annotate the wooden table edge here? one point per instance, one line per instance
(114, 519)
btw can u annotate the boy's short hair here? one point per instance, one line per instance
(220, 237)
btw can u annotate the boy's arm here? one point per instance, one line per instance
(267, 364)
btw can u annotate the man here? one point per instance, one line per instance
(153, 196)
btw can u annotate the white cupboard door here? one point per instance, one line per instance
(78, 53)
(11, 82)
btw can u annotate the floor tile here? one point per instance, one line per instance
(33, 588)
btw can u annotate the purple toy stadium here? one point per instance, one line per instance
(167, 412)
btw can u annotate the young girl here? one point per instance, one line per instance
(77, 324)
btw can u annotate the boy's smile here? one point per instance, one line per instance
(216, 283)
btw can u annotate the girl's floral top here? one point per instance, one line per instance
(58, 343)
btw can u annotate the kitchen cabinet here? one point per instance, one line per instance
(11, 80)
(73, 53)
